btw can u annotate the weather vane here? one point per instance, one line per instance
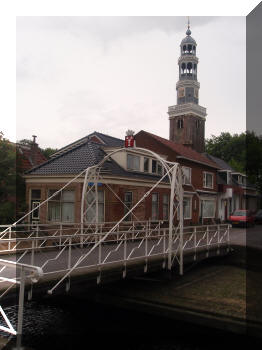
(188, 22)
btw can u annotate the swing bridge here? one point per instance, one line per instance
(52, 255)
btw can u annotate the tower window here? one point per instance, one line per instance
(189, 68)
(180, 124)
(197, 123)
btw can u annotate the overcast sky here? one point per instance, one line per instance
(76, 75)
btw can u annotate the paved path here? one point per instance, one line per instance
(250, 237)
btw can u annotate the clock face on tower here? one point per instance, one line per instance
(181, 92)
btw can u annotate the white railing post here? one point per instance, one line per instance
(164, 249)
(218, 239)
(207, 253)
(195, 242)
(69, 263)
(125, 254)
(20, 310)
(9, 237)
(146, 252)
(60, 234)
(228, 237)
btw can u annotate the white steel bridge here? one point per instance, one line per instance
(31, 253)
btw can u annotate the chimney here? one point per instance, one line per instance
(34, 147)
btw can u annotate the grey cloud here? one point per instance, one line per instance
(110, 28)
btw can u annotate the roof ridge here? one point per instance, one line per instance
(179, 148)
(112, 137)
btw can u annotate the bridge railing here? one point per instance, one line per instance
(23, 272)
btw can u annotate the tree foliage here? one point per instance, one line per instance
(242, 151)
(47, 152)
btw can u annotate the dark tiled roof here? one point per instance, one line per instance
(183, 151)
(95, 136)
(71, 162)
(220, 162)
(83, 156)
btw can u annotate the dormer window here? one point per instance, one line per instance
(133, 162)
(180, 124)
(146, 165)
(154, 166)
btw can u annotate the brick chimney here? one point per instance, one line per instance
(34, 147)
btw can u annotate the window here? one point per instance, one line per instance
(91, 206)
(180, 124)
(165, 206)
(159, 168)
(61, 208)
(240, 179)
(207, 208)
(154, 164)
(187, 205)
(35, 201)
(197, 124)
(207, 180)
(186, 175)
(146, 165)
(128, 200)
(155, 206)
(133, 162)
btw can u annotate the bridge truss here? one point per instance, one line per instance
(89, 246)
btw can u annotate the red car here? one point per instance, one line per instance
(242, 218)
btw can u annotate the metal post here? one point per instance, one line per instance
(181, 222)
(60, 234)
(195, 242)
(164, 249)
(9, 236)
(146, 250)
(30, 293)
(171, 210)
(69, 263)
(20, 310)
(218, 239)
(125, 255)
(207, 253)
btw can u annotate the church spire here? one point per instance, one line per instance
(188, 32)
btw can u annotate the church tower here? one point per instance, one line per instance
(187, 117)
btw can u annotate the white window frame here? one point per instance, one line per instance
(190, 176)
(211, 200)
(204, 179)
(132, 167)
(60, 201)
(148, 170)
(190, 216)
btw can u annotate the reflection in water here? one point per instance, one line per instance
(74, 323)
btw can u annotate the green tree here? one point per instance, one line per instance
(12, 185)
(242, 151)
(47, 152)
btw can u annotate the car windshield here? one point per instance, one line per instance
(240, 213)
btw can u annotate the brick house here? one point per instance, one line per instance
(127, 179)
(130, 177)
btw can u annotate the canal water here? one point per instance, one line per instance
(72, 323)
